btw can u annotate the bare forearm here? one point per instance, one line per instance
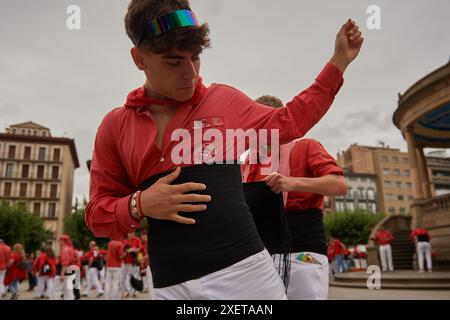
(329, 185)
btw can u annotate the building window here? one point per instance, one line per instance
(56, 154)
(22, 131)
(53, 190)
(384, 159)
(25, 170)
(399, 184)
(27, 153)
(402, 210)
(40, 172)
(396, 172)
(52, 210)
(394, 159)
(400, 197)
(411, 198)
(406, 173)
(23, 190)
(388, 184)
(363, 179)
(405, 160)
(9, 170)
(362, 205)
(41, 154)
(37, 208)
(34, 132)
(409, 185)
(391, 210)
(29, 132)
(361, 193)
(12, 152)
(350, 193)
(55, 172)
(351, 206)
(7, 189)
(38, 190)
(389, 197)
(386, 171)
(371, 194)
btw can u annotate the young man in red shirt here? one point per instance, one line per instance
(193, 240)
(384, 238)
(423, 248)
(5, 253)
(310, 172)
(132, 245)
(114, 273)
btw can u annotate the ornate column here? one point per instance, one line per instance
(423, 173)
(418, 192)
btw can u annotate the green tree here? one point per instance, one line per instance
(352, 228)
(75, 227)
(17, 225)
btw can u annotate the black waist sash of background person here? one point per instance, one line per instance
(423, 238)
(307, 230)
(267, 209)
(223, 235)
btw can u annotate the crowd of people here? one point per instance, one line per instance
(122, 270)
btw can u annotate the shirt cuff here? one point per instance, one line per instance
(126, 221)
(331, 77)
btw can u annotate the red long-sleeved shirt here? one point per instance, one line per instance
(383, 237)
(125, 153)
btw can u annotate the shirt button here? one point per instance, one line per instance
(162, 159)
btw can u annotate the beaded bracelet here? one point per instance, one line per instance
(136, 211)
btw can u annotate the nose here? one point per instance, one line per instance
(190, 72)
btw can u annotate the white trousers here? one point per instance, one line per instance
(2, 278)
(148, 282)
(112, 283)
(307, 280)
(42, 282)
(127, 271)
(253, 278)
(386, 258)
(92, 281)
(424, 251)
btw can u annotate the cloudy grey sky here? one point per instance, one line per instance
(68, 80)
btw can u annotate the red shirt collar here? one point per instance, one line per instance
(139, 98)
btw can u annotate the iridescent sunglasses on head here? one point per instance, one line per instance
(169, 22)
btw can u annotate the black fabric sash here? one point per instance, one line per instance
(307, 230)
(223, 235)
(267, 209)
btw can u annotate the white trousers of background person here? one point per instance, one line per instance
(386, 257)
(113, 282)
(253, 278)
(148, 282)
(2, 278)
(127, 270)
(42, 283)
(307, 281)
(424, 251)
(92, 280)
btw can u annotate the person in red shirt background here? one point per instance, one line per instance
(132, 245)
(338, 250)
(384, 238)
(114, 264)
(307, 173)
(67, 259)
(5, 253)
(423, 248)
(94, 264)
(17, 270)
(44, 267)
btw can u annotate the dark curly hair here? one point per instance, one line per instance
(141, 12)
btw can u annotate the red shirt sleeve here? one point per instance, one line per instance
(320, 162)
(299, 115)
(107, 213)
